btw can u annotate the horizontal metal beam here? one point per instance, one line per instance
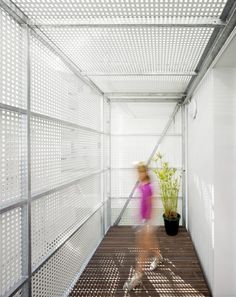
(214, 47)
(146, 135)
(135, 22)
(146, 99)
(66, 123)
(39, 115)
(98, 74)
(21, 202)
(11, 205)
(13, 108)
(111, 95)
(22, 19)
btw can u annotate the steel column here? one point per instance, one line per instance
(29, 160)
(183, 165)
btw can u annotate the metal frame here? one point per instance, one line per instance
(25, 204)
(26, 280)
(146, 99)
(223, 28)
(216, 42)
(176, 109)
(120, 22)
(154, 95)
(183, 108)
(145, 135)
(28, 94)
(42, 116)
(22, 19)
(95, 74)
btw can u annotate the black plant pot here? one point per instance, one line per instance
(171, 225)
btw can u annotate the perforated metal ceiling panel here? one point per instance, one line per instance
(51, 10)
(132, 50)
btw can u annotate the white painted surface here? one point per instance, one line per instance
(212, 177)
(201, 176)
(225, 182)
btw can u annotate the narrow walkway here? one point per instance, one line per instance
(114, 261)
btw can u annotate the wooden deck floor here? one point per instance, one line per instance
(114, 261)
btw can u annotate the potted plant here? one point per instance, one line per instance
(169, 186)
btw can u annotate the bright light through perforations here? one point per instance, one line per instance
(72, 9)
(134, 50)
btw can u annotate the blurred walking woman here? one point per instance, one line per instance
(146, 239)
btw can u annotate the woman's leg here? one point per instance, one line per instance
(154, 244)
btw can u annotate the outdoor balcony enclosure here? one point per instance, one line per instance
(88, 88)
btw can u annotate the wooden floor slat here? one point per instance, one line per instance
(114, 261)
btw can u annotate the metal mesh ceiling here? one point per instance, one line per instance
(128, 50)
(110, 42)
(51, 10)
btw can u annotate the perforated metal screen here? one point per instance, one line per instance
(55, 144)
(111, 51)
(54, 159)
(62, 269)
(66, 10)
(111, 38)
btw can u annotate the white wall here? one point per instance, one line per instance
(136, 128)
(201, 176)
(225, 181)
(212, 177)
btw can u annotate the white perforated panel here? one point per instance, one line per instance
(11, 249)
(11, 62)
(57, 275)
(59, 93)
(133, 50)
(13, 159)
(61, 154)
(53, 10)
(56, 215)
